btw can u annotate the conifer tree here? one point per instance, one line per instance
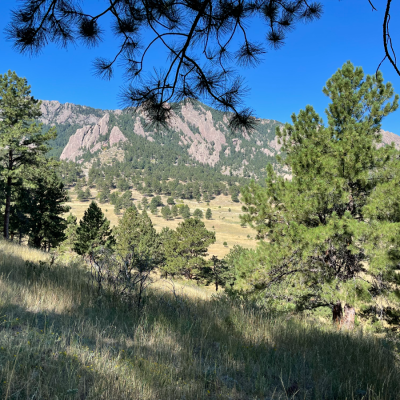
(45, 209)
(174, 211)
(93, 231)
(135, 234)
(185, 211)
(197, 213)
(22, 142)
(70, 231)
(208, 213)
(186, 248)
(166, 212)
(328, 245)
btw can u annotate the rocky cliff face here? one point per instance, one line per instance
(53, 112)
(90, 138)
(200, 131)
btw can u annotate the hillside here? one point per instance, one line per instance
(197, 134)
(60, 340)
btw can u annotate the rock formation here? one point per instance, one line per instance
(89, 138)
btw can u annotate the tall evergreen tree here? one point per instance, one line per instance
(136, 235)
(22, 142)
(186, 248)
(46, 206)
(93, 231)
(70, 231)
(321, 226)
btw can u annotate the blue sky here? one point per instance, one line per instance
(286, 81)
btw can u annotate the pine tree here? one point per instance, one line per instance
(153, 209)
(174, 211)
(21, 138)
(186, 248)
(136, 235)
(104, 195)
(327, 243)
(45, 207)
(93, 231)
(80, 195)
(185, 211)
(70, 231)
(197, 213)
(166, 212)
(215, 272)
(87, 194)
(208, 214)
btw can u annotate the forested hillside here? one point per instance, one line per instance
(197, 135)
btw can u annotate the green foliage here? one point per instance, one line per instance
(184, 211)
(166, 212)
(156, 202)
(93, 231)
(40, 207)
(174, 211)
(186, 248)
(208, 213)
(327, 238)
(22, 143)
(104, 195)
(232, 268)
(70, 231)
(197, 213)
(216, 272)
(70, 172)
(135, 234)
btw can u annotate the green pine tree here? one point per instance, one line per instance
(22, 143)
(93, 231)
(327, 243)
(208, 214)
(197, 213)
(136, 235)
(174, 211)
(186, 248)
(70, 231)
(166, 212)
(46, 198)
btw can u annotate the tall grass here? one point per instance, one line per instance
(58, 340)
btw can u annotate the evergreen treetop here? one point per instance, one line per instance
(93, 231)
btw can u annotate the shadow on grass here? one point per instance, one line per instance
(176, 348)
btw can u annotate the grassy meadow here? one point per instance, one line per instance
(60, 341)
(225, 223)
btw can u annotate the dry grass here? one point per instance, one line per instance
(59, 341)
(226, 223)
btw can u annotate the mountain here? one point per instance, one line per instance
(196, 134)
(195, 130)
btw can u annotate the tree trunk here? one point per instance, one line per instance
(37, 242)
(348, 317)
(344, 319)
(8, 208)
(337, 313)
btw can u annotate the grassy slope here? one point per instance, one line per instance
(58, 341)
(226, 224)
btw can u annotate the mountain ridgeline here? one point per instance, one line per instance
(197, 138)
(197, 135)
